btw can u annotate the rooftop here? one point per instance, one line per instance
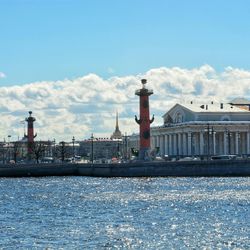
(240, 100)
(212, 107)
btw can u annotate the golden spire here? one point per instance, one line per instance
(116, 126)
(117, 134)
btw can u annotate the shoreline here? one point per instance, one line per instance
(216, 168)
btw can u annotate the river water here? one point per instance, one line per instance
(124, 213)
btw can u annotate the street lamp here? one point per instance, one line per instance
(62, 143)
(239, 143)
(229, 134)
(73, 141)
(9, 146)
(125, 147)
(118, 148)
(92, 148)
(3, 145)
(54, 153)
(210, 131)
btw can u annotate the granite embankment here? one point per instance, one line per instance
(137, 169)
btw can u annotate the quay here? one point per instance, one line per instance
(216, 168)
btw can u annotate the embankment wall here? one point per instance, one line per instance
(137, 169)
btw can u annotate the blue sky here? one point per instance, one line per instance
(58, 39)
(74, 63)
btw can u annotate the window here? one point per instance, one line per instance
(178, 118)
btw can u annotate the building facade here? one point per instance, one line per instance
(201, 130)
(100, 148)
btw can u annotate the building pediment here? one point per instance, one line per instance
(178, 114)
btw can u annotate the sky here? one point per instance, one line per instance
(74, 63)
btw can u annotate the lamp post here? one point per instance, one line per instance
(192, 144)
(210, 131)
(189, 143)
(229, 134)
(62, 143)
(73, 142)
(229, 143)
(54, 151)
(92, 148)
(118, 149)
(9, 136)
(125, 147)
(238, 148)
(3, 145)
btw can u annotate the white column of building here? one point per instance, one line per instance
(157, 141)
(179, 144)
(159, 144)
(219, 143)
(166, 145)
(162, 147)
(248, 142)
(152, 142)
(244, 145)
(236, 142)
(201, 143)
(214, 143)
(225, 143)
(189, 143)
(242, 142)
(194, 144)
(170, 148)
(222, 144)
(174, 145)
(184, 137)
(197, 144)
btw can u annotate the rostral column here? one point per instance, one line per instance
(144, 121)
(30, 120)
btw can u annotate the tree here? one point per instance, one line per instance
(63, 150)
(37, 149)
(3, 152)
(16, 150)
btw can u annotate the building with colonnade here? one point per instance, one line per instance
(195, 129)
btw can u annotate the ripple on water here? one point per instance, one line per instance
(149, 213)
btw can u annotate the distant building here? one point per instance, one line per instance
(202, 129)
(102, 148)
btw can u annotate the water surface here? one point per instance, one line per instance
(124, 213)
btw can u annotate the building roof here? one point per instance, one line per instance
(212, 107)
(240, 100)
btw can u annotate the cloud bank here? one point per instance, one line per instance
(85, 105)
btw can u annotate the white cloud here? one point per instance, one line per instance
(87, 104)
(2, 75)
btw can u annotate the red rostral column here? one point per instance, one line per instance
(30, 120)
(144, 121)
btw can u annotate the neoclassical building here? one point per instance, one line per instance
(193, 129)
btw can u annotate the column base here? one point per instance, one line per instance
(145, 154)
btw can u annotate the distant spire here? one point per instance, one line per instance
(117, 134)
(117, 125)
